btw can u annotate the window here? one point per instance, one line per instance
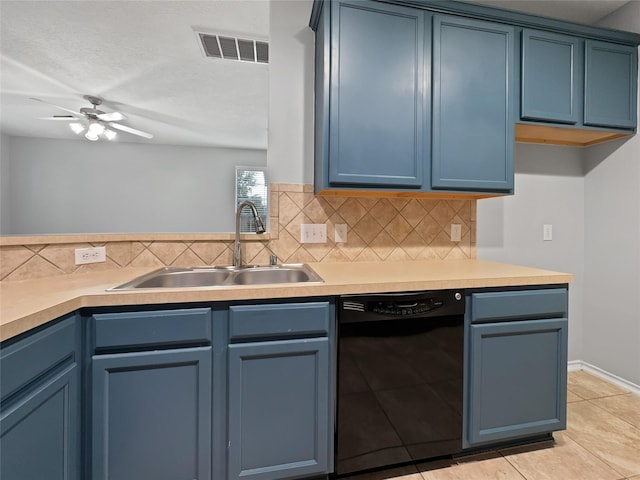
(251, 185)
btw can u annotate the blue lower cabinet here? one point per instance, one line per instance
(279, 409)
(40, 411)
(151, 415)
(39, 434)
(517, 380)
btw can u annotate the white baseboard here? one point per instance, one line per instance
(575, 365)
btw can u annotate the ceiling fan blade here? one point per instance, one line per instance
(76, 114)
(66, 118)
(133, 131)
(111, 116)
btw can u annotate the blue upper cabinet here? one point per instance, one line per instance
(473, 112)
(421, 96)
(377, 127)
(550, 85)
(570, 80)
(611, 75)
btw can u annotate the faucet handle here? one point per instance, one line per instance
(273, 259)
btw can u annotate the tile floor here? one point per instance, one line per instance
(602, 442)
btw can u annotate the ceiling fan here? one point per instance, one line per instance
(96, 121)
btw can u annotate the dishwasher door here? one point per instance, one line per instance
(400, 369)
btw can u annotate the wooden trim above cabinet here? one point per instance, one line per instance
(573, 137)
(408, 194)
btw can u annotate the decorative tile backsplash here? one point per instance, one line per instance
(378, 229)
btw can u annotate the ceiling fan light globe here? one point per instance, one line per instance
(96, 128)
(91, 136)
(110, 134)
(77, 128)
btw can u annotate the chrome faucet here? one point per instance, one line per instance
(237, 253)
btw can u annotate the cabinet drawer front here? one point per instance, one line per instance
(281, 320)
(28, 359)
(519, 305)
(149, 329)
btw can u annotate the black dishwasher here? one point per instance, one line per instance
(400, 367)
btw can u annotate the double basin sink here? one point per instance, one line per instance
(223, 276)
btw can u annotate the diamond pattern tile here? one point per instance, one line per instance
(378, 229)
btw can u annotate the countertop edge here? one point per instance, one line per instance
(90, 292)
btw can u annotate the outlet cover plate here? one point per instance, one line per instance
(91, 255)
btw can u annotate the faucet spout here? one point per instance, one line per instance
(237, 252)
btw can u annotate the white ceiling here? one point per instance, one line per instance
(143, 59)
(579, 11)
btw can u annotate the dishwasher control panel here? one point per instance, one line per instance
(413, 304)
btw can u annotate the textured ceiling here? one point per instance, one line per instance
(143, 58)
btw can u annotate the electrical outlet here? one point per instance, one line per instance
(456, 232)
(340, 233)
(313, 233)
(547, 233)
(91, 255)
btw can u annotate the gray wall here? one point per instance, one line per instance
(612, 258)
(549, 189)
(612, 247)
(70, 186)
(4, 183)
(291, 73)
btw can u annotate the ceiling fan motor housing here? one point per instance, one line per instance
(91, 112)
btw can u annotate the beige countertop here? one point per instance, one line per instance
(30, 303)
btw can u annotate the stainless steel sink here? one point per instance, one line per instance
(193, 277)
(270, 275)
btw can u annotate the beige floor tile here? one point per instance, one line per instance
(564, 460)
(409, 472)
(613, 440)
(627, 407)
(573, 397)
(486, 467)
(589, 386)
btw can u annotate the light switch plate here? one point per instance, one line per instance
(456, 232)
(313, 233)
(340, 233)
(547, 233)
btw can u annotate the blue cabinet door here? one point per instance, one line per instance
(473, 111)
(517, 380)
(610, 81)
(550, 84)
(280, 422)
(39, 433)
(151, 416)
(40, 408)
(378, 127)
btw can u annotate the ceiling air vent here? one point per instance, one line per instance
(234, 48)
